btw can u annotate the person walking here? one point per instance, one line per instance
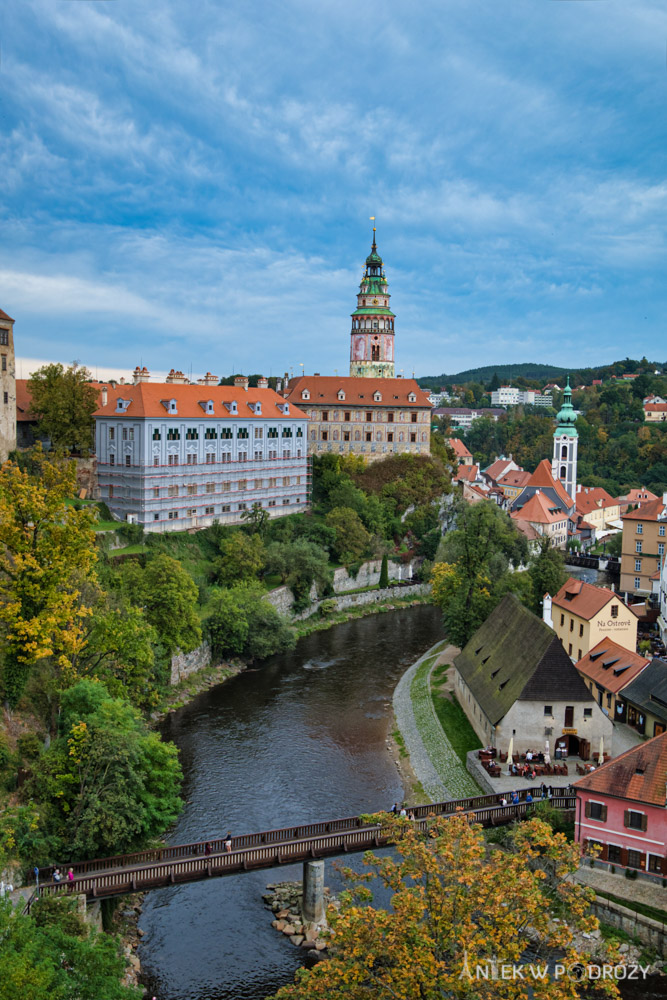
(207, 849)
(395, 809)
(228, 842)
(70, 879)
(57, 877)
(36, 871)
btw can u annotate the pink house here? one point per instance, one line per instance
(622, 808)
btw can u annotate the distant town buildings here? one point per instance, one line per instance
(463, 456)
(507, 395)
(644, 539)
(174, 455)
(463, 416)
(7, 386)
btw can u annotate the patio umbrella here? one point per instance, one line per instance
(547, 752)
(510, 752)
(601, 754)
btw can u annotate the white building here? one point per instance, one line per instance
(172, 456)
(507, 395)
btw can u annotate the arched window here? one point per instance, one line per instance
(375, 352)
(563, 472)
(563, 451)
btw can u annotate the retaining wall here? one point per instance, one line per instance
(367, 597)
(650, 932)
(184, 664)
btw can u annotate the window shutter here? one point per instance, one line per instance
(588, 810)
(626, 818)
(644, 821)
(603, 817)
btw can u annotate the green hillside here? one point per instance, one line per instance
(538, 373)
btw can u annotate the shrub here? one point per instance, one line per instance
(327, 608)
(384, 573)
(631, 873)
(29, 746)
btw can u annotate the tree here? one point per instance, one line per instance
(256, 519)
(119, 650)
(115, 783)
(64, 401)
(227, 626)
(384, 573)
(352, 539)
(454, 906)
(494, 383)
(243, 623)
(465, 602)
(300, 564)
(242, 557)
(547, 574)
(169, 597)
(46, 554)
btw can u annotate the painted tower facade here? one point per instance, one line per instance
(372, 336)
(7, 386)
(566, 440)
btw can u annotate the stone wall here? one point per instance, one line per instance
(369, 575)
(344, 601)
(86, 477)
(650, 932)
(184, 664)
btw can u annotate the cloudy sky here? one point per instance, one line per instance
(190, 185)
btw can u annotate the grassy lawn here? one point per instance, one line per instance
(129, 550)
(630, 904)
(453, 720)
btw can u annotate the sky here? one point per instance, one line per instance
(190, 185)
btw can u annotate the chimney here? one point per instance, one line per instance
(262, 382)
(141, 375)
(546, 610)
(664, 499)
(316, 374)
(136, 374)
(279, 385)
(104, 395)
(241, 382)
(578, 487)
(210, 379)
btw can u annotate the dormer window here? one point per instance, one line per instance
(305, 394)
(122, 405)
(412, 398)
(284, 408)
(341, 394)
(377, 396)
(169, 405)
(231, 406)
(207, 406)
(256, 408)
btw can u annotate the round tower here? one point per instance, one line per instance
(566, 439)
(372, 336)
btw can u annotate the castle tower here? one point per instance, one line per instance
(566, 439)
(7, 387)
(372, 336)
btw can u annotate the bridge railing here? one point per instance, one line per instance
(165, 866)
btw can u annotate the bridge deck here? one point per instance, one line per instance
(143, 870)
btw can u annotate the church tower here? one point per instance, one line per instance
(566, 439)
(372, 337)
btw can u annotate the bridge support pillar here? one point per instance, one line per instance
(313, 892)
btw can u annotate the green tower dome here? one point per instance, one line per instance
(567, 418)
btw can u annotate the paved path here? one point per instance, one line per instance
(433, 760)
(624, 738)
(637, 890)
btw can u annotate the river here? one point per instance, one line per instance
(299, 739)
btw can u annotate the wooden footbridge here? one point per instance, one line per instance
(165, 866)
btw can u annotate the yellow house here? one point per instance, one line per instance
(596, 506)
(644, 545)
(582, 615)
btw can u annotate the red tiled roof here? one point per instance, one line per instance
(540, 510)
(515, 477)
(655, 407)
(647, 512)
(498, 468)
(324, 391)
(611, 666)
(467, 472)
(542, 477)
(458, 447)
(147, 400)
(593, 498)
(526, 528)
(3, 315)
(639, 774)
(583, 599)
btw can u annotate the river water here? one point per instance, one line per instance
(300, 739)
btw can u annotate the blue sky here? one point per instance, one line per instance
(190, 185)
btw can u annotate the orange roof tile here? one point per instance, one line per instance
(639, 774)
(593, 498)
(649, 511)
(543, 477)
(583, 599)
(516, 477)
(655, 407)
(611, 666)
(458, 447)
(498, 468)
(526, 528)
(3, 315)
(324, 391)
(540, 510)
(148, 400)
(467, 472)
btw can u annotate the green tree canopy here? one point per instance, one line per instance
(242, 557)
(243, 623)
(352, 539)
(547, 574)
(168, 596)
(64, 401)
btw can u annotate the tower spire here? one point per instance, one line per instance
(566, 440)
(372, 335)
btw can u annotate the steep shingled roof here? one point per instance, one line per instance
(649, 691)
(458, 447)
(647, 512)
(542, 477)
(593, 498)
(148, 400)
(515, 656)
(540, 510)
(3, 315)
(639, 774)
(583, 599)
(611, 666)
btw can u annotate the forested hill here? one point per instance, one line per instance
(504, 372)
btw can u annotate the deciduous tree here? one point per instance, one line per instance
(242, 557)
(64, 401)
(352, 539)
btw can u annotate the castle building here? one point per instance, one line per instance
(372, 336)
(7, 386)
(172, 456)
(566, 439)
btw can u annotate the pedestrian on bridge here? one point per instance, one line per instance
(70, 879)
(207, 848)
(228, 842)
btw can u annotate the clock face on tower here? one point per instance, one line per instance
(375, 302)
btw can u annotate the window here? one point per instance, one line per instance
(390, 418)
(614, 611)
(638, 546)
(5, 398)
(548, 710)
(581, 629)
(112, 459)
(156, 517)
(258, 456)
(413, 438)
(638, 582)
(640, 529)
(569, 650)
(112, 433)
(241, 506)
(588, 712)
(287, 432)
(638, 565)
(226, 486)
(285, 501)
(242, 433)
(390, 436)
(210, 434)
(128, 459)
(259, 433)
(156, 492)
(191, 512)
(569, 717)
(173, 434)
(273, 483)
(242, 484)
(325, 435)
(173, 515)
(192, 490)
(661, 530)
(210, 457)
(285, 480)
(271, 503)
(191, 459)
(225, 508)
(571, 624)
(346, 416)
(368, 436)
(110, 492)
(655, 864)
(562, 619)
(272, 432)
(209, 510)
(614, 853)
(124, 433)
(172, 491)
(243, 456)
(579, 657)
(369, 416)
(325, 414)
(4, 337)
(413, 418)
(157, 436)
(257, 484)
(226, 434)
(298, 480)
(596, 810)
(346, 435)
(225, 457)
(635, 859)
(634, 820)
(661, 548)
(172, 460)
(210, 487)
